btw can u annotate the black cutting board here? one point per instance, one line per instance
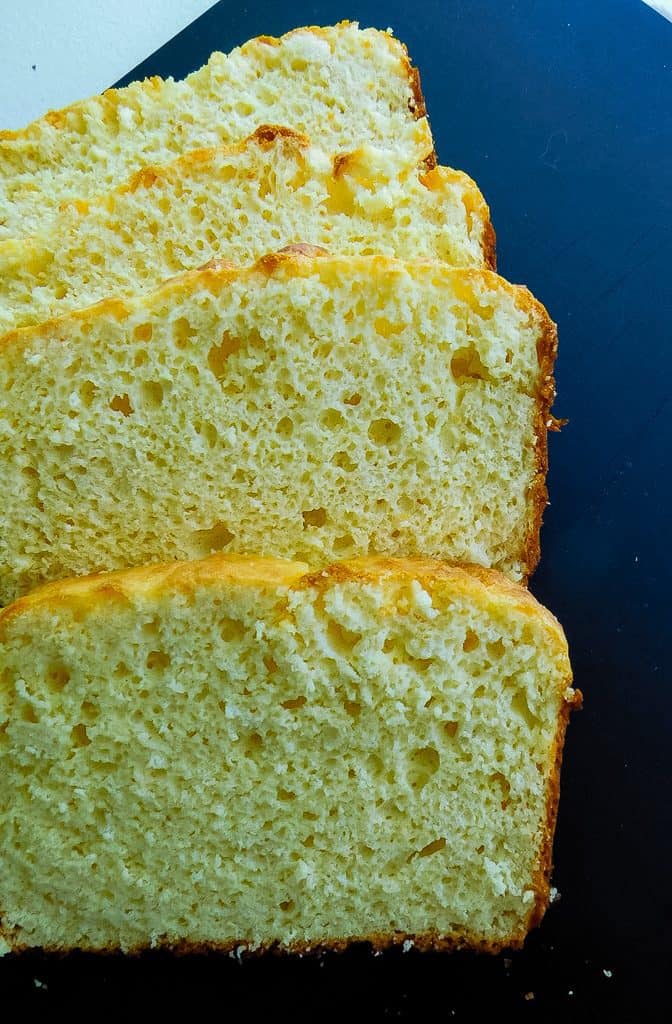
(562, 111)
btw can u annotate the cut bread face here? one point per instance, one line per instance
(307, 407)
(239, 203)
(341, 85)
(241, 752)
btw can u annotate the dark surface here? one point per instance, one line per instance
(562, 111)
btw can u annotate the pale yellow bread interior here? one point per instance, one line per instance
(233, 752)
(239, 203)
(306, 407)
(341, 85)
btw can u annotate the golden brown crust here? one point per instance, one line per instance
(474, 201)
(87, 591)
(216, 274)
(542, 876)
(475, 581)
(416, 103)
(424, 942)
(547, 348)
(489, 243)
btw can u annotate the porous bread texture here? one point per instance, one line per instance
(231, 752)
(341, 85)
(306, 407)
(240, 203)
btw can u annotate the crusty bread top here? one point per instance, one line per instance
(340, 84)
(297, 261)
(488, 587)
(240, 202)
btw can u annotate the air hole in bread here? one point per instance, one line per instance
(285, 427)
(496, 648)
(384, 432)
(450, 729)
(208, 431)
(206, 542)
(79, 736)
(471, 641)
(231, 629)
(314, 517)
(152, 393)
(353, 399)
(521, 706)
(158, 659)
(28, 714)
(219, 354)
(293, 703)
(90, 711)
(57, 678)
(253, 743)
(386, 329)
(285, 794)
(122, 404)
(87, 393)
(332, 419)
(353, 707)
(466, 365)
(424, 762)
(499, 780)
(143, 332)
(342, 640)
(183, 332)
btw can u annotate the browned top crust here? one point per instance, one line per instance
(85, 592)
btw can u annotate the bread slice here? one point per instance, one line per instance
(240, 203)
(307, 407)
(340, 85)
(233, 752)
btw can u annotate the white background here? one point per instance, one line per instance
(80, 47)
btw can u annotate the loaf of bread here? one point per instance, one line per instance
(306, 407)
(340, 85)
(240, 203)
(231, 752)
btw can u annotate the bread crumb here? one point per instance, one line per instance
(529, 996)
(407, 945)
(606, 973)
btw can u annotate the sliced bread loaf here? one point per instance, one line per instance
(240, 203)
(310, 407)
(234, 752)
(340, 85)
